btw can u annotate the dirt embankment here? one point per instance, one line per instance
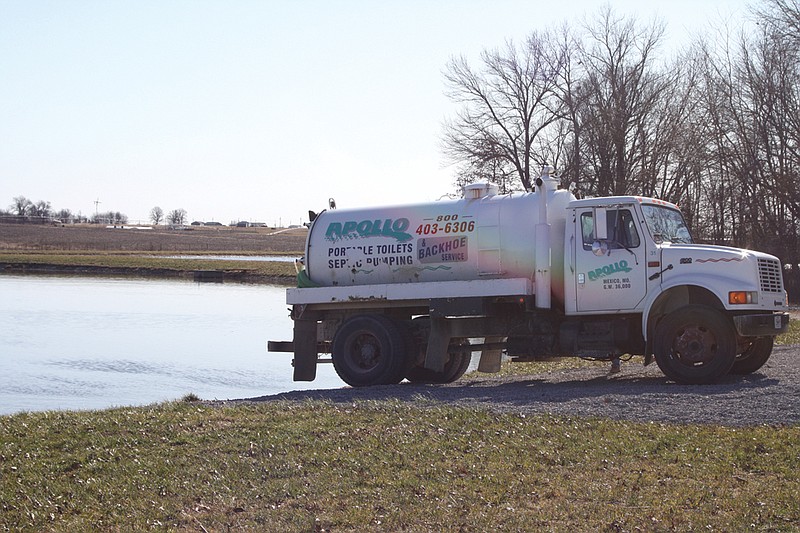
(210, 239)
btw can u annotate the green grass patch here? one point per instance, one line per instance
(793, 335)
(387, 466)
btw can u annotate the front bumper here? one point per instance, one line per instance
(761, 325)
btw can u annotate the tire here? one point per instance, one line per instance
(695, 345)
(370, 350)
(457, 363)
(754, 356)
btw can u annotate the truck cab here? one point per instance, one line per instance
(630, 255)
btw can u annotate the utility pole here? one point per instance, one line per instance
(96, 203)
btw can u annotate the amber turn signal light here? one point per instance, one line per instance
(740, 297)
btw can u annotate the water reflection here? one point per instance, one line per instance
(87, 343)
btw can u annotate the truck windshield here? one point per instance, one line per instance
(666, 224)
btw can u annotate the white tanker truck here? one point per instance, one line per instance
(410, 292)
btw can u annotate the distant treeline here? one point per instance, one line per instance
(23, 211)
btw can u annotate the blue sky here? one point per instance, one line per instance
(252, 110)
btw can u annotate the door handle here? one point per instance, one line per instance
(572, 254)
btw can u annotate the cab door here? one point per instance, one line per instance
(609, 272)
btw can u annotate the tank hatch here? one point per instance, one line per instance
(476, 191)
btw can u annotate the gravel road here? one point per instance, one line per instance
(770, 396)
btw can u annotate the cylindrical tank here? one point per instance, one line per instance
(481, 236)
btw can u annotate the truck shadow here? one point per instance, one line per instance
(643, 395)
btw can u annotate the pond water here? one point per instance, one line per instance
(93, 343)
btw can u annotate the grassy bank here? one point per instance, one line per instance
(387, 467)
(90, 238)
(141, 264)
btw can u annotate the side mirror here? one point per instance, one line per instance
(600, 216)
(600, 228)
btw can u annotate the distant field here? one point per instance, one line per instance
(220, 239)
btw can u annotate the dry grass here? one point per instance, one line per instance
(86, 249)
(388, 466)
(218, 239)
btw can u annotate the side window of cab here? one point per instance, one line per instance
(621, 229)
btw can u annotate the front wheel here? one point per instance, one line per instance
(695, 345)
(370, 350)
(754, 356)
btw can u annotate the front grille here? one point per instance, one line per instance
(769, 273)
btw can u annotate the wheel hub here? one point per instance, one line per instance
(366, 353)
(695, 345)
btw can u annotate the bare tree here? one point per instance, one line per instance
(110, 217)
(752, 103)
(783, 16)
(156, 215)
(40, 209)
(64, 215)
(177, 217)
(506, 105)
(21, 206)
(615, 104)
(559, 143)
(492, 170)
(602, 107)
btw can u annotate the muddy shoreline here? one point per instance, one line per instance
(239, 276)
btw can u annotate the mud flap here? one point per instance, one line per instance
(649, 355)
(438, 342)
(305, 350)
(490, 359)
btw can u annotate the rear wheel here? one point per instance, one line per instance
(754, 356)
(695, 345)
(370, 350)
